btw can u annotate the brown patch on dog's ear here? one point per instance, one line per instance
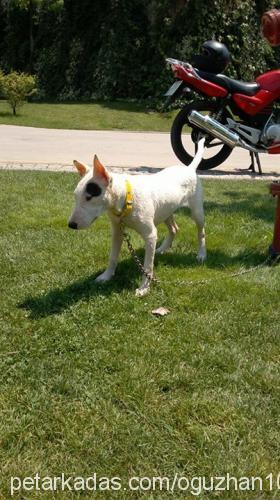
(100, 171)
(82, 169)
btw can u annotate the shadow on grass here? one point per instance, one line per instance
(134, 107)
(8, 114)
(58, 300)
(248, 205)
(238, 173)
(215, 259)
(139, 106)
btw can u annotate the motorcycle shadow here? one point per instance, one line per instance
(216, 259)
(251, 207)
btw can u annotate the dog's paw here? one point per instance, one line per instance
(201, 257)
(140, 292)
(102, 278)
(160, 250)
(163, 248)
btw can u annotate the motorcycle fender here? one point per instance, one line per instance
(176, 90)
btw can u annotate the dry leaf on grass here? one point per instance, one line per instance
(161, 311)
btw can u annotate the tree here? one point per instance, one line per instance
(116, 48)
(237, 25)
(126, 59)
(26, 9)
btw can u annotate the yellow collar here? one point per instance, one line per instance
(128, 204)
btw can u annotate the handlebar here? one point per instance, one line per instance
(178, 63)
(187, 66)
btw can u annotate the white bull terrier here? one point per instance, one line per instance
(141, 202)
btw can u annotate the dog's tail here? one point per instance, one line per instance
(198, 156)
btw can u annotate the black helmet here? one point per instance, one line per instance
(214, 57)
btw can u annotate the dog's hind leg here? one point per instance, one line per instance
(197, 214)
(172, 230)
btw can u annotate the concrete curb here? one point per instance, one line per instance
(210, 174)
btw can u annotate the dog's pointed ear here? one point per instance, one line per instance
(82, 169)
(100, 171)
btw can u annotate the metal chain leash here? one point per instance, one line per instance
(268, 261)
(135, 256)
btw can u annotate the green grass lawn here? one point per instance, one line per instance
(92, 382)
(99, 116)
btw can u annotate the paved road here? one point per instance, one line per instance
(29, 145)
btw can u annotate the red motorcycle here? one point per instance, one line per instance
(235, 113)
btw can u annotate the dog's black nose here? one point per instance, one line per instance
(73, 225)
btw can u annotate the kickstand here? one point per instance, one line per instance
(255, 156)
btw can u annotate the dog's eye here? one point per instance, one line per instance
(92, 189)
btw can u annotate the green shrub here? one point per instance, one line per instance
(2, 76)
(16, 87)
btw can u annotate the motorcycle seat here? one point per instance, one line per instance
(233, 86)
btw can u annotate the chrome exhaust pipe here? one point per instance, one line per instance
(214, 128)
(221, 132)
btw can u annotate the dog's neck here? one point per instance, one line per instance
(116, 194)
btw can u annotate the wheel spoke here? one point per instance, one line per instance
(214, 144)
(181, 144)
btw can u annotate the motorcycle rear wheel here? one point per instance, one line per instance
(177, 134)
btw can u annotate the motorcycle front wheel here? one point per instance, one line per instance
(185, 146)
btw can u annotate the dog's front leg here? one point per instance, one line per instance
(117, 239)
(150, 247)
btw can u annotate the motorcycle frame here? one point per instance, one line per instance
(252, 110)
(246, 107)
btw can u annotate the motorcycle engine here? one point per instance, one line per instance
(271, 131)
